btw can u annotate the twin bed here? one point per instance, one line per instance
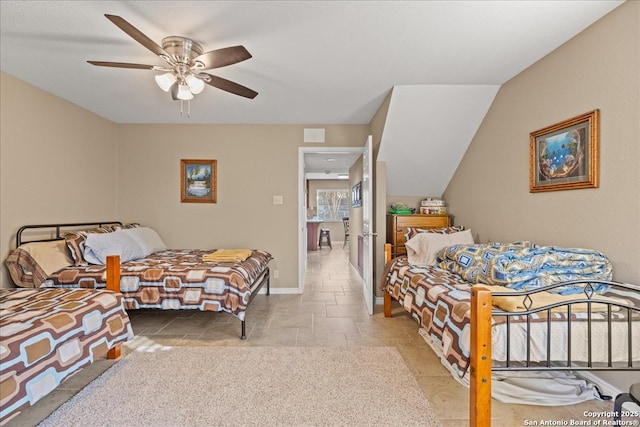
(50, 334)
(540, 321)
(76, 282)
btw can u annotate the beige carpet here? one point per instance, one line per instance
(234, 386)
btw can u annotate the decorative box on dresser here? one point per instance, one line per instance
(397, 226)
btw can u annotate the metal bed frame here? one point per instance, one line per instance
(482, 311)
(58, 230)
(55, 232)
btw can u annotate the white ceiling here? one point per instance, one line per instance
(330, 162)
(314, 62)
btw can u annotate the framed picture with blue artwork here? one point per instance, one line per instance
(565, 156)
(356, 195)
(198, 181)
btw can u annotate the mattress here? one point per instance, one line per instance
(175, 279)
(440, 302)
(48, 335)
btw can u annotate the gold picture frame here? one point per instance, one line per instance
(565, 156)
(198, 181)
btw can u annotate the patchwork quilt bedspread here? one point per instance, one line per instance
(441, 304)
(525, 266)
(48, 335)
(439, 301)
(175, 279)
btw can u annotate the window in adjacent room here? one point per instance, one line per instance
(333, 205)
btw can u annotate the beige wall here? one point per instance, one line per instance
(255, 162)
(57, 163)
(53, 151)
(598, 69)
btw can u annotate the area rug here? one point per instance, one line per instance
(261, 386)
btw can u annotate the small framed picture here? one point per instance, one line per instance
(356, 195)
(198, 181)
(565, 156)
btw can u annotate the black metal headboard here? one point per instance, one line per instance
(58, 228)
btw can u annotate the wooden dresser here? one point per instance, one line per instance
(397, 226)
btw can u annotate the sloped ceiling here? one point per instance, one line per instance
(427, 130)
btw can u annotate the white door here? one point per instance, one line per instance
(367, 226)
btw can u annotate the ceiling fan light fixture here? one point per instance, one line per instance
(184, 93)
(183, 74)
(165, 81)
(195, 84)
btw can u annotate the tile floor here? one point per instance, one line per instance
(330, 312)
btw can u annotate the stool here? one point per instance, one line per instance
(632, 396)
(345, 222)
(326, 233)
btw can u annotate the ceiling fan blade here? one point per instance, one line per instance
(121, 65)
(223, 57)
(229, 86)
(137, 35)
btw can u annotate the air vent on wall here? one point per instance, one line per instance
(314, 136)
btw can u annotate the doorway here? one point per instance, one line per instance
(320, 170)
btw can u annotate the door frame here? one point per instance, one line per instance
(302, 211)
(368, 225)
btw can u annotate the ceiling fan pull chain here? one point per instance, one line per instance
(189, 108)
(181, 107)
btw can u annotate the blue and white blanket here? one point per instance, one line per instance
(526, 266)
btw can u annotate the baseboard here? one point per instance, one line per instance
(354, 269)
(279, 291)
(293, 291)
(377, 300)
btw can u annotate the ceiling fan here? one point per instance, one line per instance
(184, 73)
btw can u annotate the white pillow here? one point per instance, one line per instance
(147, 239)
(98, 246)
(423, 247)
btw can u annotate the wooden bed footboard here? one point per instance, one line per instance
(621, 313)
(615, 317)
(390, 251)
(113, 284)
(388, 254)
(480, 359)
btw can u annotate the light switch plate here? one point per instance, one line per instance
(278, 200)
